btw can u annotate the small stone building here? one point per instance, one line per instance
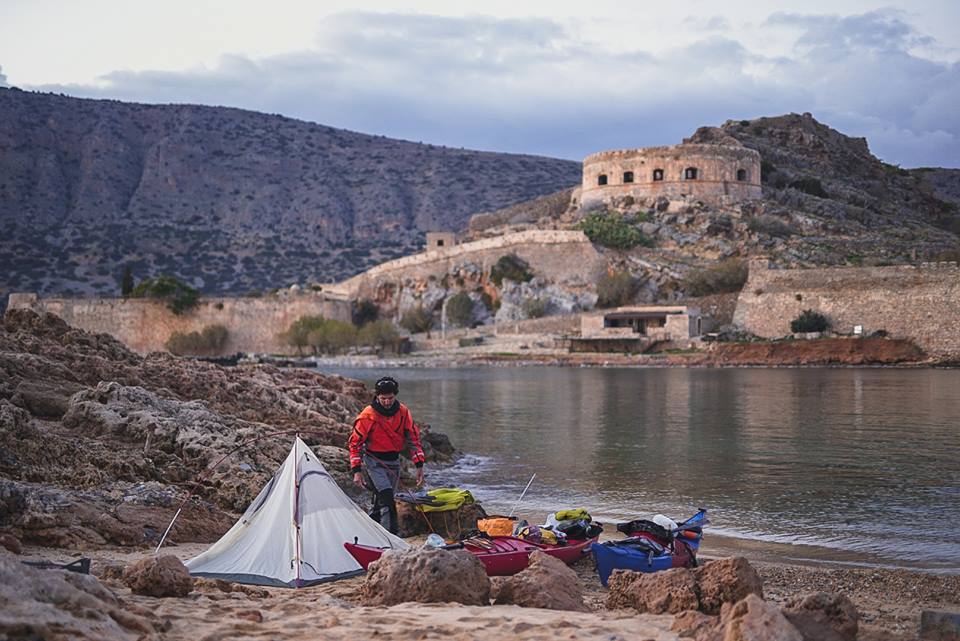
(635, 329)
(440, 239)
(715, 173)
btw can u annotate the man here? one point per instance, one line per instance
(380, 433)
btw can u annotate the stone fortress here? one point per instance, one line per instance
(714, 173)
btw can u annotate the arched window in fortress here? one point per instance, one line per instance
(602, 179)
(657, 175)
(742, 175)
(690, 173)
(627, 177)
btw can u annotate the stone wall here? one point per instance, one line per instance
(717, 168)
(920, 303)
(145, 325)
(566, 257)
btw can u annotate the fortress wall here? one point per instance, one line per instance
(920, 303)
(567, 256)
(145, 325)
(716, 181)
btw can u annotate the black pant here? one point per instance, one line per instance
(384, 499)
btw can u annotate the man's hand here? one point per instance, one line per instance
(419, 476)
(358, 479)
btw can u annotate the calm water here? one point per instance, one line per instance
(862, 462)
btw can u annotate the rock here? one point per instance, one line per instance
(158, 576)
(426, 575)
(823, 617)
(939, 626)
(448, 524)
(726, 581)
(753, 619)
(666, 592)
(11, 543)
(694, 624)
(249, 615)
(45, 604)
(705, 588)
(546, 583)
(44, 399)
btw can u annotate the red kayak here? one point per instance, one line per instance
(505, 555)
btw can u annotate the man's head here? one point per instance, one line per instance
(386, 390)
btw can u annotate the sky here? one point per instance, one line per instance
(558, 78)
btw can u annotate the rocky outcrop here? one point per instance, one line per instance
(161, 576)
(705, 588)
(112, 462)
(50, 604)
(546, 583)
(753, 619)
(426, 575)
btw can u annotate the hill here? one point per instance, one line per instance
(229, 200)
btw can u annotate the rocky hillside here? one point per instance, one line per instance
(98, 445)
(826, 201)
(229, 200)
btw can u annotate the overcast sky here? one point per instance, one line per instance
(554, 78)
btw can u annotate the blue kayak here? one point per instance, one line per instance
(651, 551)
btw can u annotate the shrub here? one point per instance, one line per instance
(126, 282)
(770, 225)
(724, 277)
(460, 309)
(179, 296)
(333, 336)
(810, 186)
(767, 169)
(417, 320)
(365, 311)
(614, 290)
(611, 230)
(511, 267)
(809, 321)
(379, 333)
(209, 340)
(298, 334)
(535, 307)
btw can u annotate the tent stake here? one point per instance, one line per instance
(167, 531)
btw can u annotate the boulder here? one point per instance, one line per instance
(667, 592)
(44, 399)
(705, 588)
(158, 576)
(694, 624)
(45, 604)
(753, 619)
(823, 617)
(546, 583)
(11, 543)
(726, 581)
(426, 575)
(449, 524)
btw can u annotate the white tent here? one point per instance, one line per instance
(292, 535)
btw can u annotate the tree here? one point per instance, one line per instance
(460, 309)
(298, 334)
(365, 311)
(339, 335)
(417, 320)
(511, 267)
(179, 296)
(126, 282)
(379, 333)
(614, 290)
(209, 340)
(535, 307)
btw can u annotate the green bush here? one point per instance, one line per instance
(417, 320)
(333, 337)
(614, 290)
(298, 334)
(770, 225)
(379, 333)
(809, 321)
(810, 186)
(725, 277)
(460, 309)
(511, 267)
(208, 341)
(611, 230)
(365, 311)
(179, 296)
(535, 307)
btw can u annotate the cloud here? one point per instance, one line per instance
(3, 78)
(535, 85)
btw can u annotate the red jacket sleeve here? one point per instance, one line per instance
(361, 429)
(413, 441)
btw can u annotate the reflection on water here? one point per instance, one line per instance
(853, 459)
